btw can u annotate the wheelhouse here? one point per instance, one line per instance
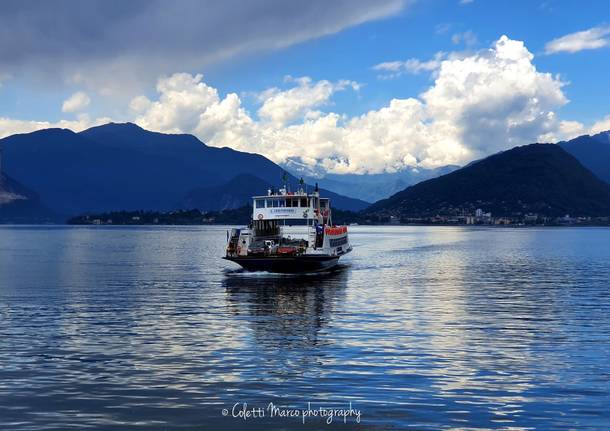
(286, 205)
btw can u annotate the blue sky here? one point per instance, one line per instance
(419, 31)
(250, 53)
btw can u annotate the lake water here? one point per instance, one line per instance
(422, 327)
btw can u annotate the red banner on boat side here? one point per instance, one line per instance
(335, 230)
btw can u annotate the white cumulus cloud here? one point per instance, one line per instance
(569, 130)
(602, 125)
(11, 126)
(77, 102)
(495, 99)
(478, 104)
(281, 107)
(593, 38)
(183, 98)
(393, 69)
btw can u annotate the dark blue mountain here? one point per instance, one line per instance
(122, 166)
(593, 152)
(234, 194)
(536, 178)
(19, 205)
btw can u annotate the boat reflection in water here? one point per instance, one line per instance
(286, 310)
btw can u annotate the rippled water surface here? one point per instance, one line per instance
(422, 327)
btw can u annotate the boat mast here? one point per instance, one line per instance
(285, 181)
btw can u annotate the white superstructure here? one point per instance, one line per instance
(264, 237)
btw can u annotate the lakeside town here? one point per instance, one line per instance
(240, 216)
(487, 219)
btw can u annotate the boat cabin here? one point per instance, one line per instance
(265, 234)
(291, 206)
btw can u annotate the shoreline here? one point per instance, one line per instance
(489, 226)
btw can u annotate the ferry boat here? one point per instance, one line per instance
(263, 245)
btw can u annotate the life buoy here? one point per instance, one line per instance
(260, 216)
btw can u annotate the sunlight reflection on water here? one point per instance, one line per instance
(419, 327)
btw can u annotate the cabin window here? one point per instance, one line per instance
(282, 203)
(323, 203)
(269, 203)
(304, 202)
(260, 203)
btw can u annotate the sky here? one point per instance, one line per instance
(348, 86)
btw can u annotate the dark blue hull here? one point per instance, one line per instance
(285, 264)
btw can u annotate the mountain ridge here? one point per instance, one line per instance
(120, 166)
(368, 187)
(536, 178)
(236, 193)
(19, 204)
(593, 151)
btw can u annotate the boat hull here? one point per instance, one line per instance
(285, 264)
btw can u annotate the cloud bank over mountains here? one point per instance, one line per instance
(477, 104)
